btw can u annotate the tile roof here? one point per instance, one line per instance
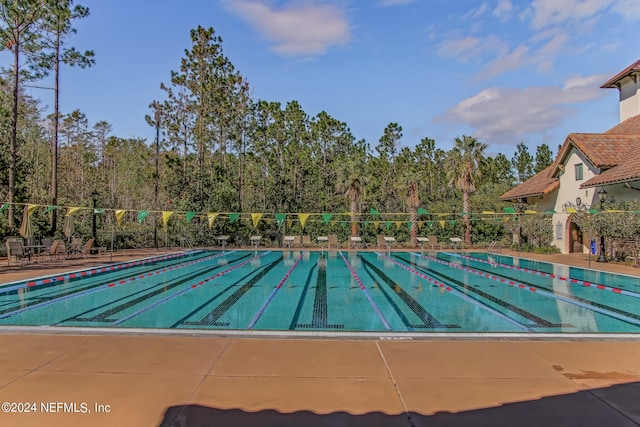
(631, 126)
(602, 150)
(627, 170)
(539, 184)
(611, 83)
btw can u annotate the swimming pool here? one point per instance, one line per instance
(331, 291)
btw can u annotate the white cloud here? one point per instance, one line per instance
(297, 30)
(629, 9)
(503, 10)
(557, 12)
(507, 115)
(472, 47)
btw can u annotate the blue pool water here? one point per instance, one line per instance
(331, 291)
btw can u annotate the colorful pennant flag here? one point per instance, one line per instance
(165, 217)
(303, 217)
(119, 215)
(189, 216)
(71, 211)
(51, 208)
(211, 217)
(374, 212)
(422, 211)
(255, 218)
(280, 217)
(326, 218)
(142, 215)
(233, 217)
(4, 207)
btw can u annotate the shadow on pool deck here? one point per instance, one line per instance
(611, 406)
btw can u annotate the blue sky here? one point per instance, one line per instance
(505, 71)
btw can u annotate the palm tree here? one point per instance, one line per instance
(463, 172)
(354, 194)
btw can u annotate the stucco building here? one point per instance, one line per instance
(587, 163)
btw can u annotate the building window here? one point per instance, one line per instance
(559, 231)
(579, 176)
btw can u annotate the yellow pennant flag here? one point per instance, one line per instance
(441, 224)
(165, 217)
(530, 212)
(303, 217)
(30, 209)
(119, 215)
(255, 218)
(212, 218)
(71, 211)
(571, 210)
(398, 224)
(376, 224)
(420, 224)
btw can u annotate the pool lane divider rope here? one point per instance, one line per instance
(110, 285)
(523, 286)
(366, 294)
(457, 293)
(192, 286)
(90, 272)
(552, 276)
(273, 293)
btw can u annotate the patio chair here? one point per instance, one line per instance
(333, 241)
(57, 250)
(16, 251)
(433, 243)
(86, 248)
(75, 247)
(306, 241)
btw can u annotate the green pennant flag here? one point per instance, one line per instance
(374, 212)
(452, 222)
(280, 218)
(422, 211)
(326, 218)
(233, 217)
(596, 211)
(189, 216)
(388, 224)
(51, 208)
(431, 223)
(409, 223)
(343, 224)
(551, 212)
(98, 211)
(4, 207)
(365, 223)
(509, 210)
(142, 215)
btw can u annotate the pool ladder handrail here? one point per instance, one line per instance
(187, 243)
(494, 247)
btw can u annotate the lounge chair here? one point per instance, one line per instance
(433, 243)
(75, 247)
(333, 241)
(86, 248)
(57, 250)
(306, 241)
(16, 251)
(289, 241)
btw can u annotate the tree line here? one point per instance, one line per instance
(217, 149)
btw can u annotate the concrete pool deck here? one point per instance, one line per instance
(150, 380)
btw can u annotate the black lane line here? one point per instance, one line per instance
(211, 319)
(303, 297)
(569, 296)
(213, 298)
(427, 318)
(320, 319)
(75, 289)
(161, 287)
(393, 304)
(539, 321)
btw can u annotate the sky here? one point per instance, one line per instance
(503, 71)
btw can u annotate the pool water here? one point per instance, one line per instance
(331, 291)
